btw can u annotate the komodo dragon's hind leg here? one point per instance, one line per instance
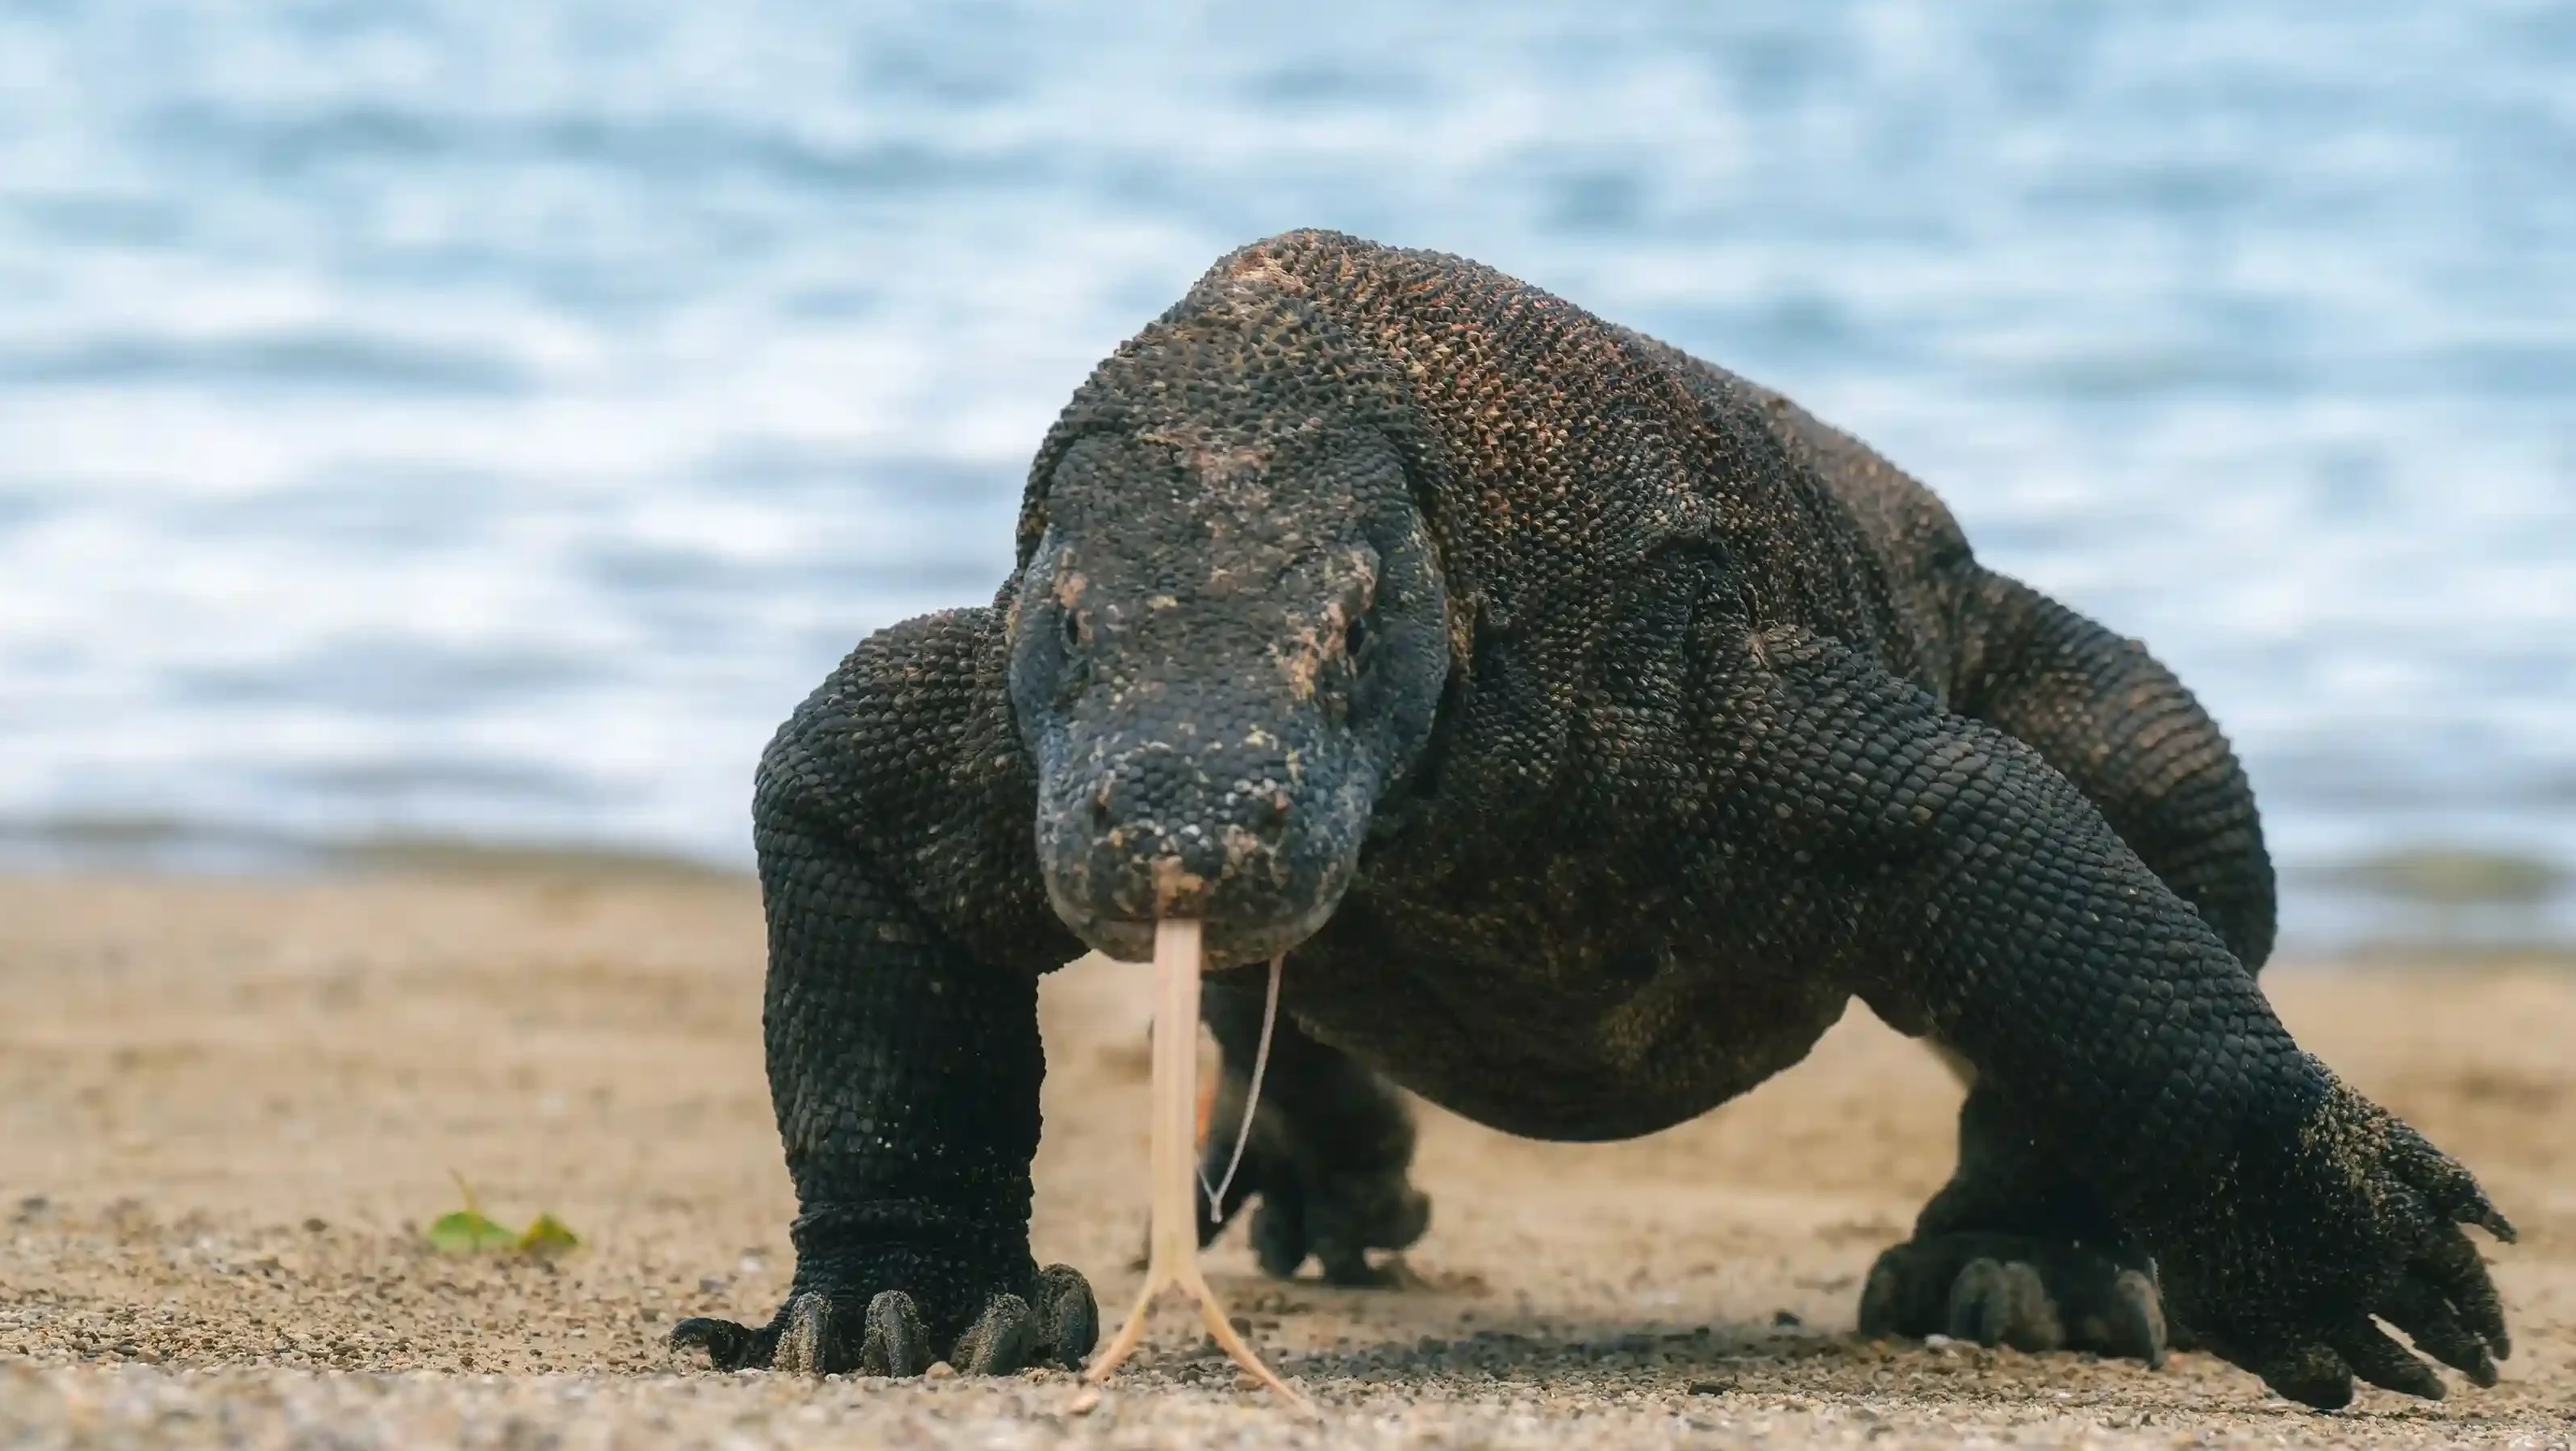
(2115, 722)
(1330, 1145)
(2014, 1249)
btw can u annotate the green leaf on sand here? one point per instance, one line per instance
(466, 1231)
(470, 1231)
(547, 1236)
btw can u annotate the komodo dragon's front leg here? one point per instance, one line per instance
(1989, 906)
(905, 1077)
(2016, 1248)
(904, 1066)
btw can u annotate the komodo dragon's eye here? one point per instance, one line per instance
(1073, 629)
(1355, 639)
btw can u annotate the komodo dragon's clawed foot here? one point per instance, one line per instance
(1334, 1216)
(815, 1333)
(2004, 1289)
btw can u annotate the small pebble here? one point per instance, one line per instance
(1084, 1403)
(939, 1370)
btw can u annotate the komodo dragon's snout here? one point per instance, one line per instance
(1229, 643)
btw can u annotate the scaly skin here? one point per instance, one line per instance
(1589, 726)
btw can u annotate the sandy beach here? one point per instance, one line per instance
(229, 1109)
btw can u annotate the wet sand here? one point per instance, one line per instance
(229, 1109)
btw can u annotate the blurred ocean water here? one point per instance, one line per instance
(424, 416)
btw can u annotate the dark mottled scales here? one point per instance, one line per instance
(1589, 726)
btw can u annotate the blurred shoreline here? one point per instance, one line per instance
(149, 846)
(2429, 903)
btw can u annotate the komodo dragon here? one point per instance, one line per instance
(1587, 725)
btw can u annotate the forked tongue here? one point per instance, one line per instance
(1172, 1253)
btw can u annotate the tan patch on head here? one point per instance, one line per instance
(1177, 890)
(1215, 465)
(1244, 848)
(1224, 465)
(1309, 646)
(1302, 660)
(1263, 268)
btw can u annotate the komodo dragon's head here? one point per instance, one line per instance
(1229, 636)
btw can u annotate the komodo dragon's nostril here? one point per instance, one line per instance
(1100, 803)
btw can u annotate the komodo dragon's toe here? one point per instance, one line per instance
(815, 1333)
(2028, 1293)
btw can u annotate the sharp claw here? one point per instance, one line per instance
(1412, 1220)
(1068, 1316)
(1000, 1340)
(2136, 1322)
(1976, 1303)
(804, 1337)
(2384, 1363)
(1279, 1235)
(1351, 1270)
(2419, 1308)
(2312, 1375)
(2451, 1270)
(2032, 1323)
(1994, 1303)
(895, 1343)
(2472, 1206)
(2452, 1188)
(1882, 1300)
(727, 1344)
